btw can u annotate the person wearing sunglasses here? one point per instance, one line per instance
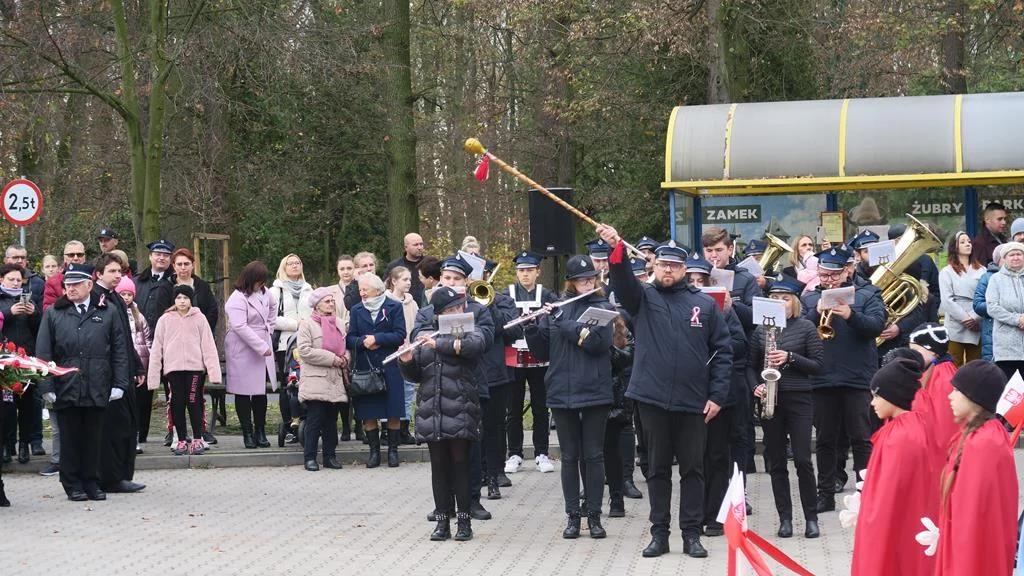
(74, 253)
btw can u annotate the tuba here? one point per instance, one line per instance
(773, 253)
(901, 292)
(770, 375)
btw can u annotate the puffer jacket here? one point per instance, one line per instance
(426, 322)
(141, 335)
(21, 328)
(95, 344)
(182, 343)
(447, 403)
(981, 309)
(800, 338)
(320, 378)
(1005, 295)
(580, 374)
(852, 354)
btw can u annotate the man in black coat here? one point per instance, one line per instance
(411, 256)
(120, 427)
(153, 295)
(81, 331)
(682, 372)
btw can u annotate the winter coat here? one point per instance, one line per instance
(683, 356)
(1005, 296)
(981, 309)
(622, 368)
(249, 322)
(290, 311)
(320, 378)
(483, 321)
(388, 330)
(744, 288)
(153, 296)
(984, 244)
(957, 302)
(800, 338)
(852, 354)
(738, 339)
(447, 403)
(53, 288)
(94, 343)
(204, 300)
(409, 309)
(141, 336)
(580, 374)
(183, 343)
(21, 329)
(502, 311)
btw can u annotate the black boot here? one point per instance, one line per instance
(4, 502)
(617, 508)
(825, 503)
(477, 510)
(260, 436)
(245, 419)
(657, 547)
(406, 437)
(693, 547)
(594, 524)
(373, 439)
(811, 531)
(493, 491)
(360, 434)
(786, 528)
(465, 527)
(713, 529)
(23, 453)
(629, 489)
(572, 527)
(394, 438)
(443, 530)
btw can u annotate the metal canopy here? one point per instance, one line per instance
(857, 143)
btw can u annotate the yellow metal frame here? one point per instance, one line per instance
(821, 184)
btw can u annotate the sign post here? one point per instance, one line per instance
(22, 202)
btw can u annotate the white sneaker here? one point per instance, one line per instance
(513, 464)
(544, 464)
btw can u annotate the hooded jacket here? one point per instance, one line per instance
(183, 343)
(1005, 296)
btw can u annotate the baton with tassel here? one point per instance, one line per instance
(473, 146)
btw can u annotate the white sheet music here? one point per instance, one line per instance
(455, 323)
(597, 316)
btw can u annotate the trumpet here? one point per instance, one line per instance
(825, 329)
(408, 348)
(541, 312)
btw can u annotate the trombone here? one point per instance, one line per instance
(481, 290)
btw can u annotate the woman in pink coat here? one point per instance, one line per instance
(251, 313)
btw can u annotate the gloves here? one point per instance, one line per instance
(848, 517)
(928, 537)
(116, 394)
(50, 397)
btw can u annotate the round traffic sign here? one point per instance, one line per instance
(22, 202)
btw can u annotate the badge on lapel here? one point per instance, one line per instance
(695, 318)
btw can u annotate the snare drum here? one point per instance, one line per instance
(518, 356)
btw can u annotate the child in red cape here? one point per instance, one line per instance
(899, 487)
(978, 497)
(931, 341)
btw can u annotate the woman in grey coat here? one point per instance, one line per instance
(448, 409)
(1005, 296)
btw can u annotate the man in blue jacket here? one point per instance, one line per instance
(682, 370)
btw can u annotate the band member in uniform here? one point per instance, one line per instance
(720, 250)
(755, 248)
(841, 391)
(599, 250)
(646, 245)
(681, 377)
(859, 244)
(527, 296)
(797, 355)
(579, 386)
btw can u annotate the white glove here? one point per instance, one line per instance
(50, 397)
(928, 537)
(116, 394)
(848, 517)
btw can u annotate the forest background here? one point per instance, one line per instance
(325, 126)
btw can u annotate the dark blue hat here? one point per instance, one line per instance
(599, 249)
(75, 273)
(161, 245)
(863, 240)
(580, 266)
(849, 253)
(527, 260)
(457, 264)
(787, 285)
(755, 247)
(671, 252)
(445, 297)
(697, 263)
(489, 266)
(896, 230)
(638, 265)
(833, 258)
(646, 243)
(107, 233)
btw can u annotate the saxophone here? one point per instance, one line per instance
(770, 375)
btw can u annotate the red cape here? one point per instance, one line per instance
(900, 488)
(978, 525)
(932, 402)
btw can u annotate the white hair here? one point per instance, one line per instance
(371, 281)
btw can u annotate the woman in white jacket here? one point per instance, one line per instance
(957, 282)
(292, 293)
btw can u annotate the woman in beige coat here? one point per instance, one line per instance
(320, 342)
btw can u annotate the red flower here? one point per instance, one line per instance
(17, 388)
(16, 364)
(10, 347)
(21, 352)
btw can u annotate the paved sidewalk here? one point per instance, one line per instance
(284, 520)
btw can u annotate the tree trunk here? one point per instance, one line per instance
(400, 140)
(954, 77)
(155, 130)
(136, 145)
(718, 74)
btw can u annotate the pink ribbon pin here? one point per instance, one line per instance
(695, 316)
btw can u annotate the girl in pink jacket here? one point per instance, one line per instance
(183, 348)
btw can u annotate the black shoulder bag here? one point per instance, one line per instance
(366, 382)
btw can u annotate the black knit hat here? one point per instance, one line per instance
(932, 337)
(186, 290)
(982, 382)
(898, 382)
(897, 353)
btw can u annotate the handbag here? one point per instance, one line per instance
(366, 382)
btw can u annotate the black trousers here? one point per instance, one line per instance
(81, 433)
(581, 439)
(345, 410)
(494, 410)
(641, 444)
(681, 435)
(144, 406)
(9, 432)
(794, 416)
(321, 421)
(614, 471)
(627, 449)
(252, 410)
(851, 406)
(718, 459)
(449, 472)
(742, 444)
(187, 393)
(30, 416)
(538, 406)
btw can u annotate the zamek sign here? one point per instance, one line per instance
(732, 214)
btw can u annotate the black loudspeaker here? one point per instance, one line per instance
(552, 230)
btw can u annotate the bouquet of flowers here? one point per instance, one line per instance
(18, 370)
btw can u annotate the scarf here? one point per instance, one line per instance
(293, 286)
(374, 305)
(12, 292)
(334, 341)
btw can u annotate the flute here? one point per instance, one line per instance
(408, 348)
(532, 315)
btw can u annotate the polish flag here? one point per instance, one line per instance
(733, 517)
(1011, 404)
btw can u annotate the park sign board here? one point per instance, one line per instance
(22, 202)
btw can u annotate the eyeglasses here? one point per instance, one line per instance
(75, 254)
(829, 275)
(668, 265)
